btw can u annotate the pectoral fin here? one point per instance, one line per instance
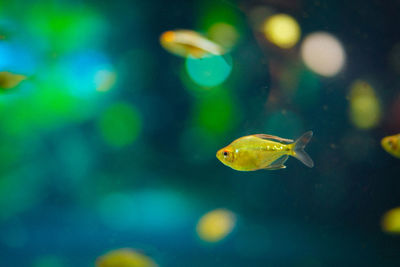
(277, 164)
(196, 52)
(273, 137)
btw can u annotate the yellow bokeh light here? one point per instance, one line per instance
(391, 221)
(282, 30)
(216, 225)
(323, 53)
(124, 257)
(365, 109)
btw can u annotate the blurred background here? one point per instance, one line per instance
(108, 141)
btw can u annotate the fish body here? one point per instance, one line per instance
(10, 80)
(186, 43)
(392, 145)
(261, 151)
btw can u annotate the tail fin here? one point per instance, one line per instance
(298, 151)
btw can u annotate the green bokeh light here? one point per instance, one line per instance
(217, 113)
(208, 71)
(120, 125)
(64, 28)
(218, 12)
(44, 108)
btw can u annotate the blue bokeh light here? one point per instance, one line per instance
(17, 59)
(208, 71)
(148, 210)
(79, 71)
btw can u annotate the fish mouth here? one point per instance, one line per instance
(219, 155)
(168, 36)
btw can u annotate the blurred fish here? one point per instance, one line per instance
(392, 145)
(391, 221)
(9, 80)
(186, 43)
(258, 151)
(124, 257)
(215, 225)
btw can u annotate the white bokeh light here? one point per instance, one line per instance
(323, 53)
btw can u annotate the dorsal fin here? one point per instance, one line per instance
(273, 137)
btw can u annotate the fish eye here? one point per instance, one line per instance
(225, 153)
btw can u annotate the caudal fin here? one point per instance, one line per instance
(298, 151)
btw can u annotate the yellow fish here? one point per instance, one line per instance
(186, 43)
(258, 151)
(392, 145)
(9, 80)
(124, 257)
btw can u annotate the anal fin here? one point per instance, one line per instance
(278, 164)
(272, 168)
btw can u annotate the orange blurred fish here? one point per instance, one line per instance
(258, 151)
(186, 43)
(10, 80)
(392, 145)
